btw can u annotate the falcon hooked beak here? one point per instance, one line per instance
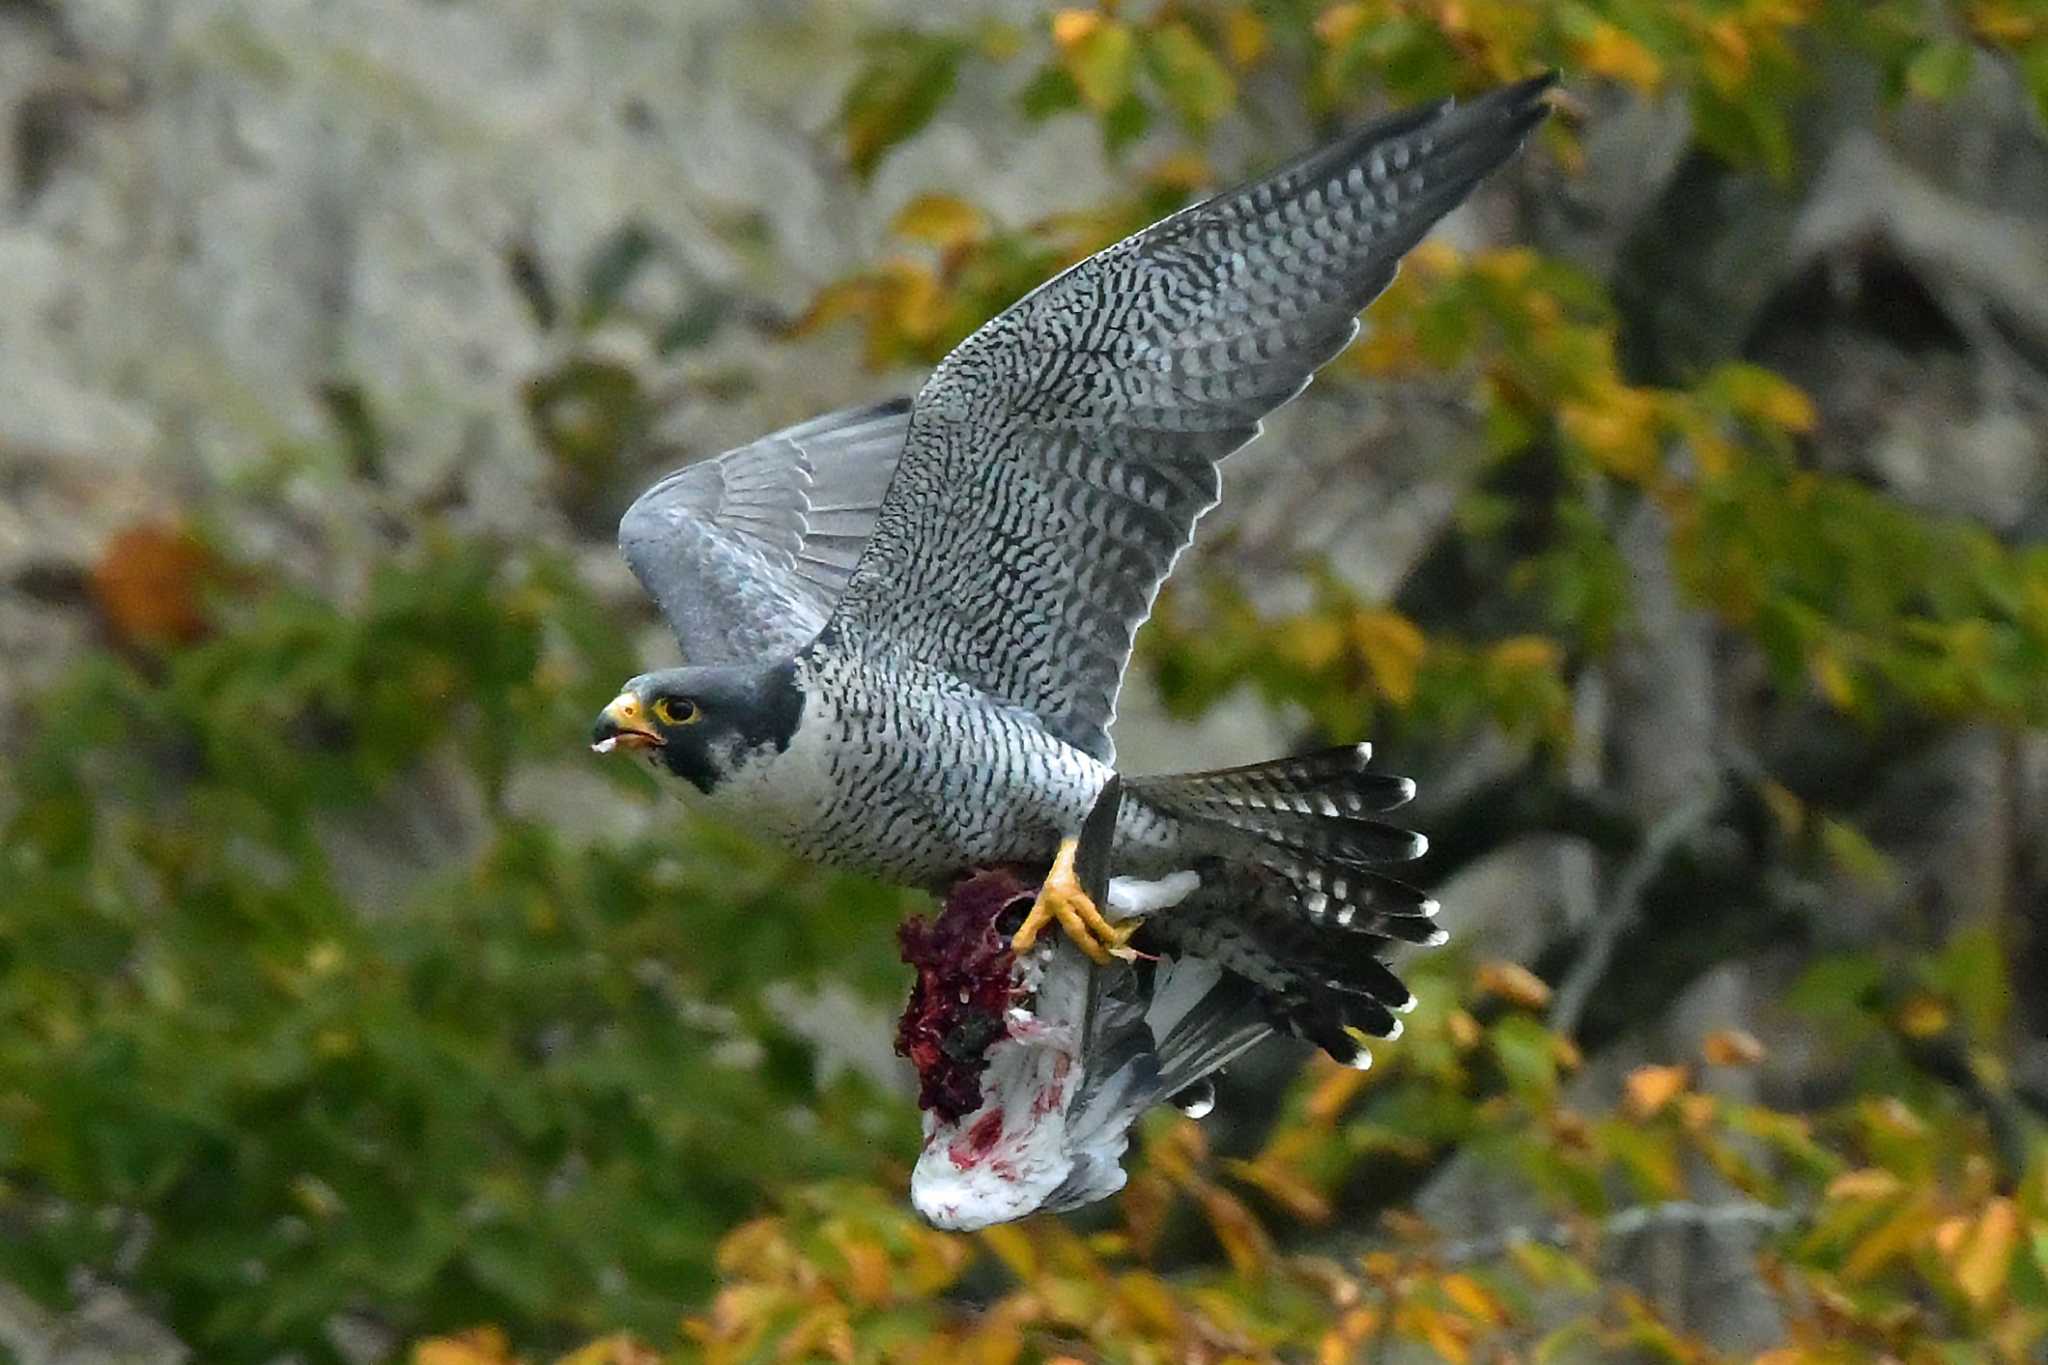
(624, 724)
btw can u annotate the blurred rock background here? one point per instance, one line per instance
(1692, 562)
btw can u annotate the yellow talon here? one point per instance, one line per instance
(1061, 898)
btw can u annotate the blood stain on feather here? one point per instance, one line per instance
(960, 1002)
(978, 1141)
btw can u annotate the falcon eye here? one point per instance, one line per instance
(677, 711)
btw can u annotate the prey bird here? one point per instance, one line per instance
(907, 624)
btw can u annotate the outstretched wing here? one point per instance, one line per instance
(746, 554)
(1057, 460)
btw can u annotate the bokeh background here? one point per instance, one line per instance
(1677, 524)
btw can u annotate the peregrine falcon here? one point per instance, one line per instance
(907, 624)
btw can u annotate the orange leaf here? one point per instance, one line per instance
(149, 582)
(1986, 1260)
(1732, 1047)
(1649, 1088)
(1513, 983)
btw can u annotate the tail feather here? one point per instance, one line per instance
(1314, 912)
(1331, 782)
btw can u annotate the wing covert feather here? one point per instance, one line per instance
(1058, 459)
(746, 554)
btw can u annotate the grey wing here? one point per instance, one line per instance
(1058, 459)
(746, 554)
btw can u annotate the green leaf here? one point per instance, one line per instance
(1102, 62)
(1192, 78)
(1051, 91)
(611, 269)
(1940, 70)
(1126, 123)
(694, 326)
(908, 77)
(1527, 1053)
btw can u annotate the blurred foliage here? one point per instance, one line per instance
(500, 1097)
(544, 1098)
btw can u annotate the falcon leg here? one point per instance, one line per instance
(1061, 898)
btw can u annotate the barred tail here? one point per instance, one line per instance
(1314, 911)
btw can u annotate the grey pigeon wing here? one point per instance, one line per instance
(746, 554)
(1058, 459)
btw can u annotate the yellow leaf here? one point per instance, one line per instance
(1312, 642)
(1513, 983)
(1340, 1344)
(1527, 654)
(1013, 1248)
(1732, 1047)
(1617, 426)
(1870, 1182)
(1449, 1337)
(917, 302)
(1393, 647)
(1473, 1298)
(1464, 1030)
(844, 299)
(1922, 1016)
(1100, 59)
(1147, 1298)
(1697, 1111)
(1725, 56)
(867, 1270)
(2005, 23)
(1336, 24)
(1283, 1186)
(478, 1346)
(1833, 678)
(1244, 1241)
(1608, 51)
(1785, 806)
(1432, 257)
(1890, 1241)
(1334, 1092)
(1649, 1088)
(1182, 170)
(1509, 267)
(1245, 38)
(1769, 398)
(619, 1349)
(1072, 26)
(1986, 1259)
(942, 220)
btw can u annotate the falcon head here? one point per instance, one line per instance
(703, 724)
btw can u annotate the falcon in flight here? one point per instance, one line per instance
(907, 624)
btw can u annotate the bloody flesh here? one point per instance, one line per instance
(961, 1002)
